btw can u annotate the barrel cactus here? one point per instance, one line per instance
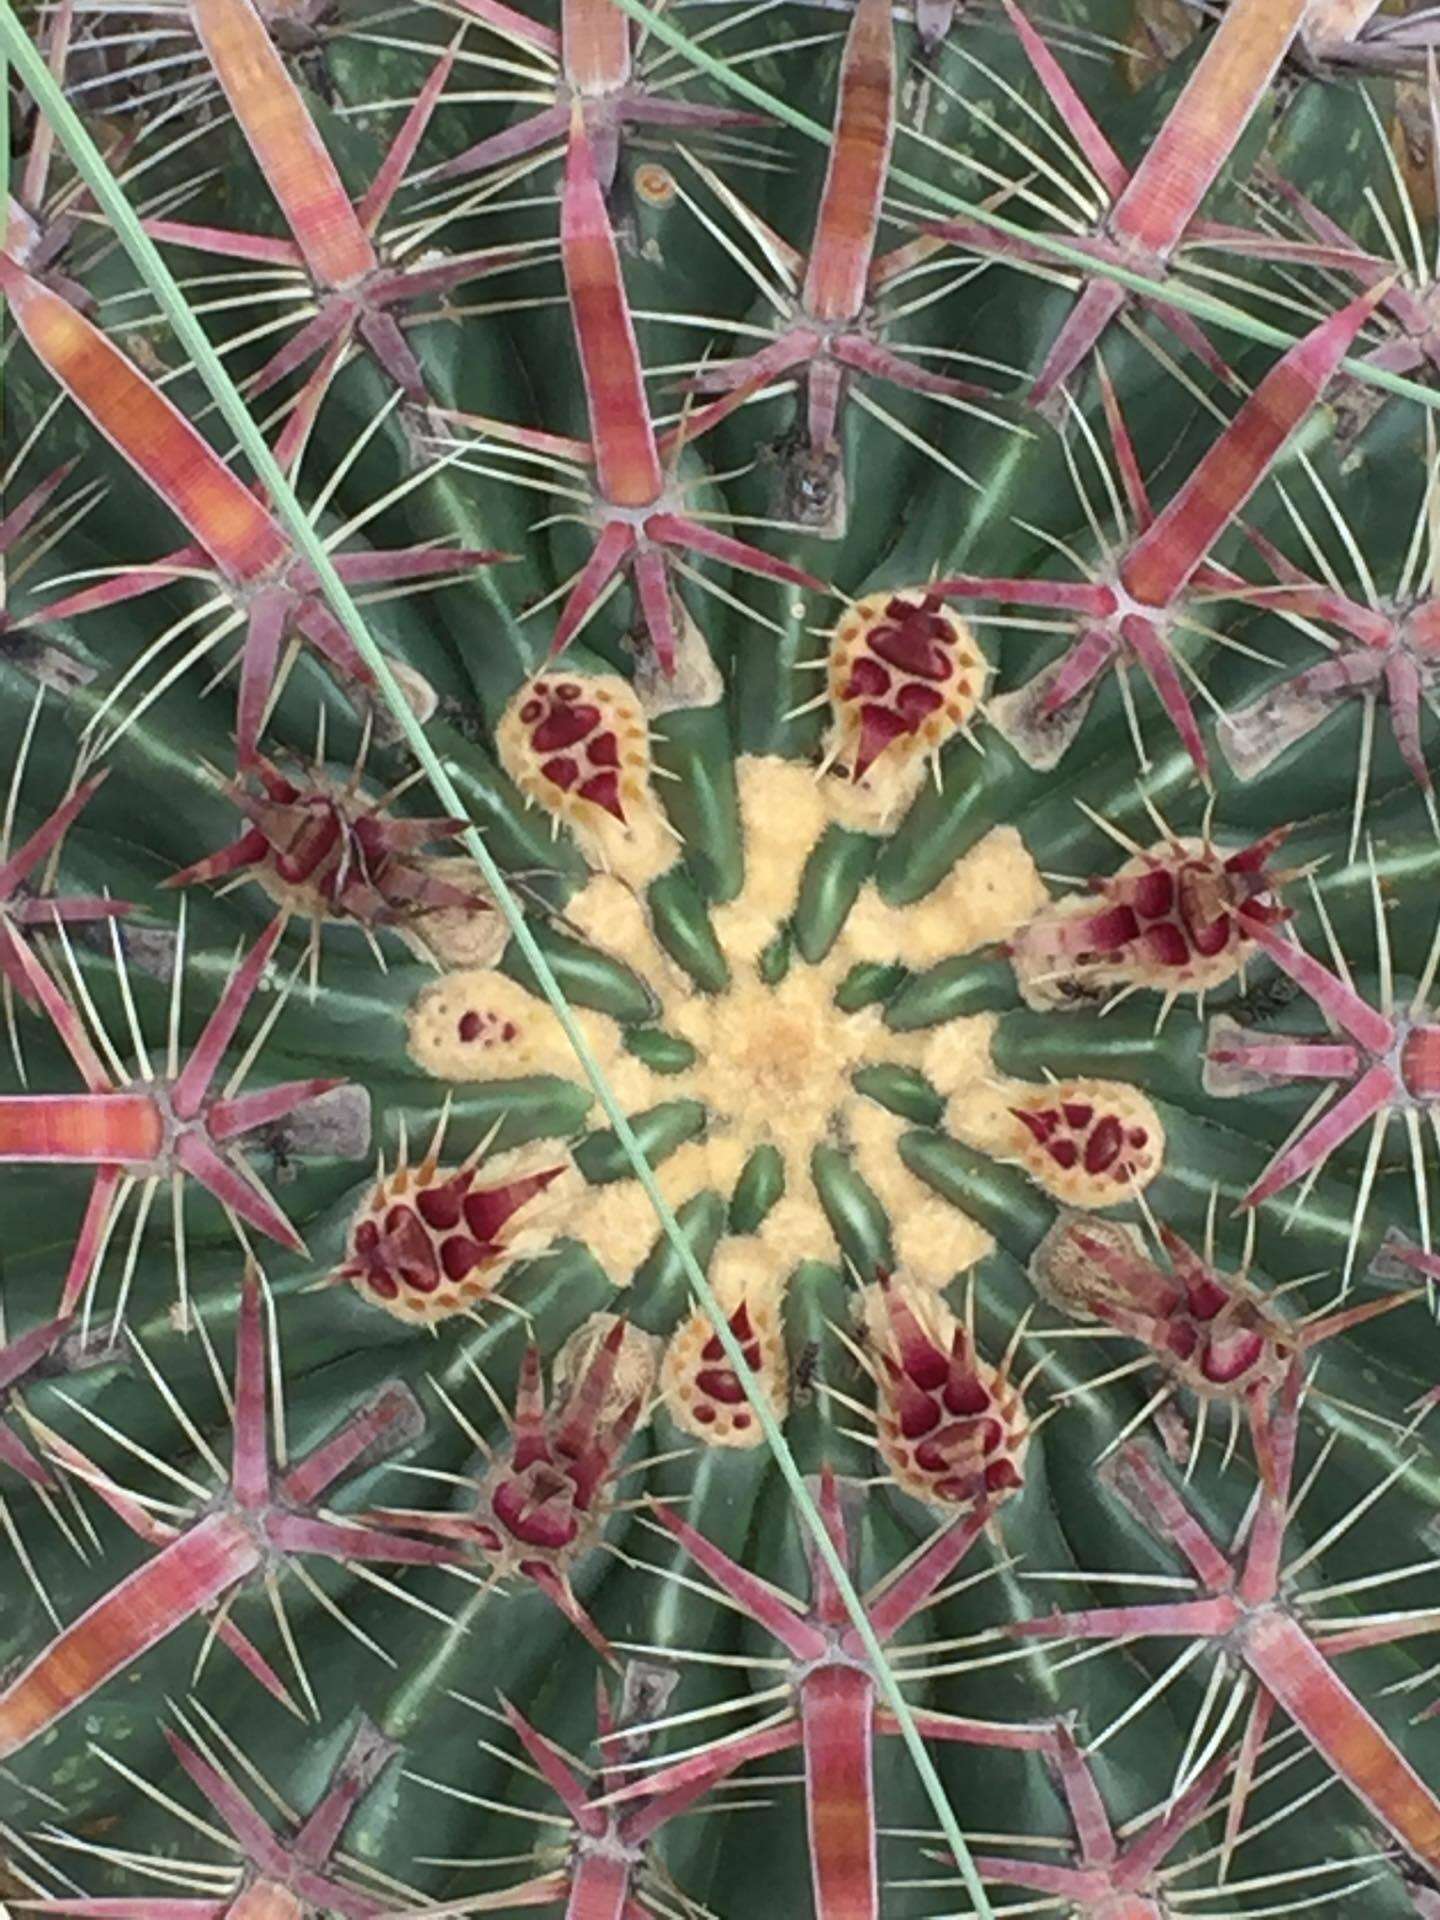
(719, 960)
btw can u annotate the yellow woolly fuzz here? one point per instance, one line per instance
(880, 801)
(611, 916)
(986, 896)
(744, 1269)
(617, 1222)
(634, 1084)
(775, 1062)
(682, 1174)
(875, 930)
(725, 1157)
(458, 936)
(993, 891)
(871, 1132)
(980, 1114)
(1090, 1143)
(578, 746)
(618, 1226)
(783, 813)
(743, 931)
(699, 1388)
(636, 1366)
(796, 1229)
(933, 1241)
(958, 1054)
(480, 1025)
(774, 1066)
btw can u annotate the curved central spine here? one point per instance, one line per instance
(108, 1129)
(297, 167)
(1198, 137)
(600, 1890)
(265, 1900)
(627, 461)
(838, 276)
(837, 1716)
(595, 43)
(180, 1582)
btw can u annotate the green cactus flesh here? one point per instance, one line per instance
(835, 1315)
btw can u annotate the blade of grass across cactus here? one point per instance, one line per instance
(292, 157)
(193, 340)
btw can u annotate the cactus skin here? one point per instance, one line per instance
(1039, 1055)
